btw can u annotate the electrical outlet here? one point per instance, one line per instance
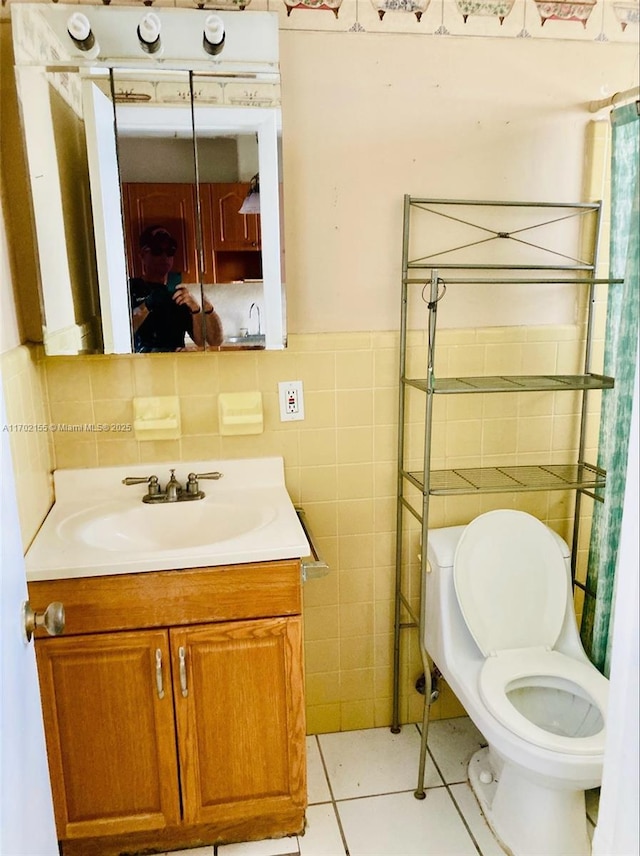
(291, 400)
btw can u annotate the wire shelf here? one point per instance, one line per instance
(513, 383)
(509, 479)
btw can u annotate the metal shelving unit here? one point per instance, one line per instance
(434, 272)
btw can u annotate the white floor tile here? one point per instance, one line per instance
(452, 742)
(317, 786)
(322, 835)
(192, 851)
(400, 825)
(375, 761)
(268, 847)
(476, 822)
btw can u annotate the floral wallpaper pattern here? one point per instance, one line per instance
(587, 20)
(591, 20)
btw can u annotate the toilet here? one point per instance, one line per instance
(500, 626)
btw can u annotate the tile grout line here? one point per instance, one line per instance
(463, 818)
(333, 799)
(453, 799)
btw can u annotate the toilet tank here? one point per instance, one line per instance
(444, 625)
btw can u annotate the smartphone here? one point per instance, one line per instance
(174, 280)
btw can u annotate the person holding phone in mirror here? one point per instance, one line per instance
(163, 310)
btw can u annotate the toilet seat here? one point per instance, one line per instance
(533, 667)
(512, 587)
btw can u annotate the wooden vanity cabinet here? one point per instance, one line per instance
(110, 738)
(234, 723)
(186, 729)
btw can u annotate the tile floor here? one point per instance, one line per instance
(361, 801)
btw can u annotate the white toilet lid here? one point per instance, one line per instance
(511, 582)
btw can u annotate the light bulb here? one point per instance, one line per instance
(79, 29)
(213, 35)
(149, 33)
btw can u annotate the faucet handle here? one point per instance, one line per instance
(192, 488)
(154, 485)
(135, 480)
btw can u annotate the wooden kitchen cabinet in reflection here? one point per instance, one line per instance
(170, 205)
(230, 240)
(233, 231)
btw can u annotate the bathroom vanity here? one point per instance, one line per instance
(174, 700)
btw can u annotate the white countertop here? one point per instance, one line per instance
(262, 523)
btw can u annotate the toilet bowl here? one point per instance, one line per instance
(500, 626)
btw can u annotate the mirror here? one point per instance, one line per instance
(120, 138)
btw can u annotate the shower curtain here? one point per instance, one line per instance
(621, 343)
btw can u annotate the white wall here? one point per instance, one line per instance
(369, 117)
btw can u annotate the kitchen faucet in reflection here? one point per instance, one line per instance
(174, 491)
(257, 308)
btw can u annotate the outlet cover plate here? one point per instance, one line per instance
(291, 400)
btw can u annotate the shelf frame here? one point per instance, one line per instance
(583, 478)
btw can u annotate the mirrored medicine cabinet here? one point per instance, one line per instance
(121, 135)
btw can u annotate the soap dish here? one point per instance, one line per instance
(240, 413)
(156, 417)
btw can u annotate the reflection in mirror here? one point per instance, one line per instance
(166, 309)
(98, 107)
(238, 204)
(54, 127)
(111, 149)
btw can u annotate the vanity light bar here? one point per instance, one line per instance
(148, 32)
(190, 39)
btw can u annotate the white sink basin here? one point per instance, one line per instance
(164, 526)
(98, 525)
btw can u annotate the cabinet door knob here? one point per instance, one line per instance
(52, 619)
(183, 672)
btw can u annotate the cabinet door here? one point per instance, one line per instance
(172, 206)
(240, 717)
(232, 230)
(110, 737)
(209, 267)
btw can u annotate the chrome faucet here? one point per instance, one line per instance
(257, 308)
(174, 492)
